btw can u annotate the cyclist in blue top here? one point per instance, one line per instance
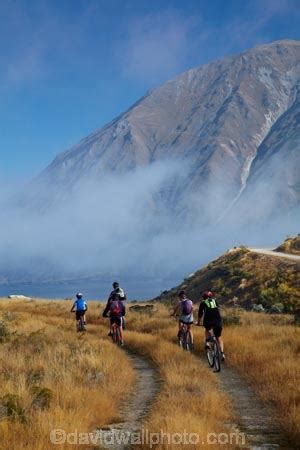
(80, 307)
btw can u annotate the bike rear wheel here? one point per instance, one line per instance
(188, 344)
(116, 336)
(217, 357)
(183, 339)
(210, 356)
(80, 325)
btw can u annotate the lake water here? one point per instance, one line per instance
(94, 290)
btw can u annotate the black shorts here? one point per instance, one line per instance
(79, 314)
(216, 327)
(116, 320)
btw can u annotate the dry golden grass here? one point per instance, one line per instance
(82, 373)
(54, 378)
(266, 349)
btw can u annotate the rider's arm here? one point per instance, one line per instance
(72, 309)
(86, 306)
(106, 309)
(176, 310)
(201, 311)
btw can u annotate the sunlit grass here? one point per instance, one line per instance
(55, 377)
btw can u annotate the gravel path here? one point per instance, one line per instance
(135, 409)
(264, 251)
(259, 424)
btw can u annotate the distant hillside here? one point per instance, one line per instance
(245, 278)
(291, 245)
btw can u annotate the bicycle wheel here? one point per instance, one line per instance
(210, 356)
(114, 334)
(188, 344)
(183, 339)
(217, 357)
(118, 336)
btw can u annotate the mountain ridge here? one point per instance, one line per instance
(215, 116)
(209, 158)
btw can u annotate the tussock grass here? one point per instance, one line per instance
(266, 351)
(53, 378)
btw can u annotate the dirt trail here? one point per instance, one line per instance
(135, 409)
(255, 420)
(269, 252)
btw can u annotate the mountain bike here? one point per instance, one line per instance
(213, 353)
(80, 325)
(116, 335)
(185, 338)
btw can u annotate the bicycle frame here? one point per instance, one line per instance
(80, 326)
(185, 341)
(116, 335)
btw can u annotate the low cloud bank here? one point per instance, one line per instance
(120, 225)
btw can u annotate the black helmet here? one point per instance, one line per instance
(115, 284)
(79, 295)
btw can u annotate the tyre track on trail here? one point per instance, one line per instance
(135, 408)
(259, 423)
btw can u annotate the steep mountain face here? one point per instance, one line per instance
(199, 164)
(274, 182)
(228, 121)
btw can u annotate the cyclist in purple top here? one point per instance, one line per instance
(184, 309)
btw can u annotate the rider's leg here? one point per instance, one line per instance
(218, 333)
(180, 325)
(189, 328)
(221, 344)
(120, 324)
(207, 335)
(110, 328)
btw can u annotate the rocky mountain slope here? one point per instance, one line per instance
(207, 159)
(245, 278)
(233, 123)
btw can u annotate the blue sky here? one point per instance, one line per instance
(69, 66)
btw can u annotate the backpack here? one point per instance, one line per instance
(186, 307)
(115, 308)
(80, 305)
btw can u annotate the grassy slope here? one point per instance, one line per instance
(265, 349)
(53, 378)
(46, 353)
(248, 277)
